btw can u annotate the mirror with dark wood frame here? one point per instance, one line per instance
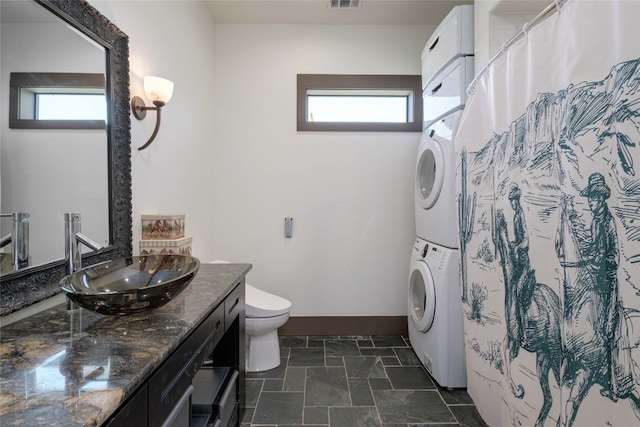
(23, 288)
(53, 150)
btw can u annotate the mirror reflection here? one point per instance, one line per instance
(57, 101)
(47, 172)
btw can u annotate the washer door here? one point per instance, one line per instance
(422, 296)
(430, 173)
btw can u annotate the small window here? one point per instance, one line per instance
(70, 106)
(330, 102)
(57, 101)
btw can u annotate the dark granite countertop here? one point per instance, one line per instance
(76, 369)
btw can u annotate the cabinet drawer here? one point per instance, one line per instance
(173, 378)
(452, 38)
(216, 393)
(233, 305)
(209, 384)
(227, 402)
(180, 415)
(447, 90)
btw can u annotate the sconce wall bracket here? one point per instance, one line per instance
(138, 108)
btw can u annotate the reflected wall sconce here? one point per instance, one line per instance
(159, 91)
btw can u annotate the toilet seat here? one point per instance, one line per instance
(264, 313)
(260, 304)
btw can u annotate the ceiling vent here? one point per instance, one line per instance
(342, 4)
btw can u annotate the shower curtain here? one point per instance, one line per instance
(548, 187)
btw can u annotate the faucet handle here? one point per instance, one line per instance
(17, 216)
(72, 217)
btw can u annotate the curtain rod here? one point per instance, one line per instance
(546, 12)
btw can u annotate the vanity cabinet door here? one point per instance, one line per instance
(133, 413)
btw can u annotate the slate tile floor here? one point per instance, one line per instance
(357, 381)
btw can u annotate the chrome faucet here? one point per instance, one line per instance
(19, 237)
(72, 240)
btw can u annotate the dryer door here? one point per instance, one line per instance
(429, 172)
(422, 296)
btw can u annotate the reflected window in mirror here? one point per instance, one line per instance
(57, 101)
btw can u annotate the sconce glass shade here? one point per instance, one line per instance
(158, 89)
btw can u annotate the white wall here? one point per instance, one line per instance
(229, 157)
(496, 21)
(350, 194)
(173, 40)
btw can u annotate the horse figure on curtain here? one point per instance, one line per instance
(595, 338)
(532, 312)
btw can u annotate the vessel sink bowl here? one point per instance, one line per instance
(130, 285)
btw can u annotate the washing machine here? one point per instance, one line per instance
(435, 313)
(435, 190)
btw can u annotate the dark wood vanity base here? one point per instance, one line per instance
(86, 369)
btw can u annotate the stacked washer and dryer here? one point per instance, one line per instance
(435, 307)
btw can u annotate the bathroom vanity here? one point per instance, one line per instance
(179, 365)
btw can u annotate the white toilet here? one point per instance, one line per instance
(265, 313)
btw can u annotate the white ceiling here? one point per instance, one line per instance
(370, 12)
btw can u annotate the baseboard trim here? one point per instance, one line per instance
(345, 325)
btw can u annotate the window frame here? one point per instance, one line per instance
(412, 83)
(74, 81)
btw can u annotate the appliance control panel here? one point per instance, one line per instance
(437, 257)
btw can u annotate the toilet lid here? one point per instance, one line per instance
(263, 304)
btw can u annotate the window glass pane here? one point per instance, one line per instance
(56, 106)
(359, 103)
(352, 108)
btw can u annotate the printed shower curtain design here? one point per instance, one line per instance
(548, 182)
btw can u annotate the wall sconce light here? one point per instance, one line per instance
(159, 91)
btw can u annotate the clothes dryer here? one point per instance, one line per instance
(435, 204)
(435, 313)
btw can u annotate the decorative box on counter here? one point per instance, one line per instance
(180, 246)
(162, 227)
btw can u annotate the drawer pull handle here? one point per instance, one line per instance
(190, 368)
(194, 366)
(435, 42)
(235, 303)
(175, 412)
(435, 89)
